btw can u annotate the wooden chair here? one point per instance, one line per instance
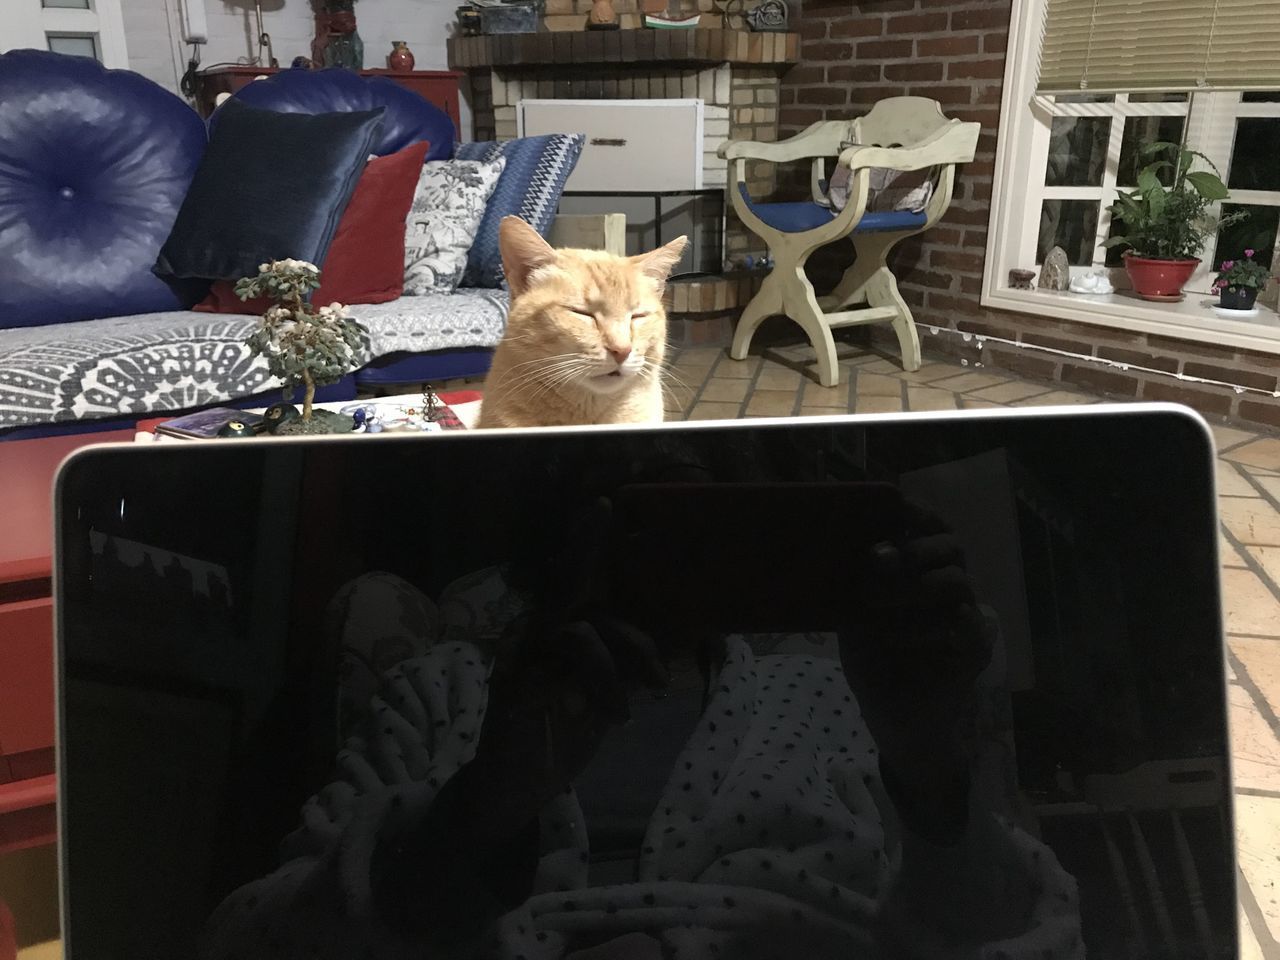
(900, 133)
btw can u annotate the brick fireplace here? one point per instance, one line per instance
(736, 73)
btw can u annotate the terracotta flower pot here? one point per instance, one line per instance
(1158, 279)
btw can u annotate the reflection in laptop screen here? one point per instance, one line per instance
(831, 689)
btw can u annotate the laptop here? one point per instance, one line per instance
(907, 686)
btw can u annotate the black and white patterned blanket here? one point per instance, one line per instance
(157, 362)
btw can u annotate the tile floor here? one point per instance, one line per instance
(705, 384)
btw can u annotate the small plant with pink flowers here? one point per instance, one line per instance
(1239, 281)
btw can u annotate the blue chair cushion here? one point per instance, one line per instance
(529, 188)
(271, 186)
(94, 164)
(807, 215)
(407, 117)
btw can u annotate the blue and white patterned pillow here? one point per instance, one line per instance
(449, 204)
(530, 188)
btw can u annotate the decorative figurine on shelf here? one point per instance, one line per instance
(731, 14)
(279, 414)
(430, 403)
(235, 430)
(400, 59)
(469, 24)
(337, 43)
(1021, 279)
(303, 346)
(1094, 283)
(302, 63)
(1055, 273)
(769, 17)
(602, 16)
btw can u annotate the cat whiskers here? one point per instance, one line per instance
(662, 372)
(547, 373)
(520, 376)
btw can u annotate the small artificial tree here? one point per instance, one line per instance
(303, 345)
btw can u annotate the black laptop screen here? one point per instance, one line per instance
(824, 689)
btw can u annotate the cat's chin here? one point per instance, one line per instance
(607, 383)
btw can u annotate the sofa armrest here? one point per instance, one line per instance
(596, 231)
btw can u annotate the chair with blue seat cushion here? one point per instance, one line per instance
(406, 117)
(899, 134)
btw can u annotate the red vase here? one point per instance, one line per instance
(400, 59)
(1160, 280)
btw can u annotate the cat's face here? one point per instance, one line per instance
(585, 318)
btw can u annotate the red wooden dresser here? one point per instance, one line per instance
(27, 788)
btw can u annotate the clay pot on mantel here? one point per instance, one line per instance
(602, 16)
(400, 59)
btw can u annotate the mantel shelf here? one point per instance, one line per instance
(639, 47)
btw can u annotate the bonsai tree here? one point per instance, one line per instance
(1172, 223)
(304, 346)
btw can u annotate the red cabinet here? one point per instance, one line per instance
(27, 789)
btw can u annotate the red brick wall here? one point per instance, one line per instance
(855, 53)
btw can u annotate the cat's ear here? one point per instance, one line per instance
(523, 251)
(657, 264)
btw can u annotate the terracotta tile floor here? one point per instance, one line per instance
(706, 384)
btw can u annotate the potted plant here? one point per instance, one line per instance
(1165, 228)
(1239, 281)
(304, 346)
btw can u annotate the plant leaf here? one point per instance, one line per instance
(1148, 182)
(1208, 185)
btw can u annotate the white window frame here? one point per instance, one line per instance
(28, 24)
(1018, 190)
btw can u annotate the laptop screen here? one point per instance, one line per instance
(835, 689)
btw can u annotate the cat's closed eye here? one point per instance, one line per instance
(578, 310)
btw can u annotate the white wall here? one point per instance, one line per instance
(153, 32)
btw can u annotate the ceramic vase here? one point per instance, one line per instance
(400, 59)
(602, 16)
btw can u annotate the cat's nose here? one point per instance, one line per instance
(620, 354)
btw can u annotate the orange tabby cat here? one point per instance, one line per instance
(585, 337)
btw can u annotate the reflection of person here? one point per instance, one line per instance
(810, 810)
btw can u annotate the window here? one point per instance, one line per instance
(1063, 157)
(87, 28)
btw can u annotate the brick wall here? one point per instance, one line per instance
(853, 54)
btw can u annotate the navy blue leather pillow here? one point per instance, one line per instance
(271, 186)
(408, 119)
(94, 164)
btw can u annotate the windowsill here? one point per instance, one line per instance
(1193, 319)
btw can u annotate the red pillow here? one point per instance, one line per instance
(365, 262)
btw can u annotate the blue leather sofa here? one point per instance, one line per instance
(94, 165)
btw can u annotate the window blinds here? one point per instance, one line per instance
(1114, 46)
